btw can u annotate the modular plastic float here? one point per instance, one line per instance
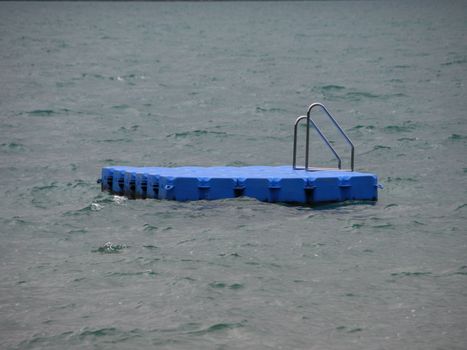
(288, 184)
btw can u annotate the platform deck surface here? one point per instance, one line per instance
(265, 183)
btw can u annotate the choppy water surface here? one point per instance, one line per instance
(85, 85)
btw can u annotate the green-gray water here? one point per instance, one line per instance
(85, 85)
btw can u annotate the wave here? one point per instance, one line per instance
(365, 127)
(332, 88)
(197, 133)
(411, 274)
(149, 228)
(122, 106)
(42, 112)
(377, 148)
(359, 95)
(218, 327)
(131, 274)
(222, 285)
(13, 147)
(48, 112)
(339, 92)
(73, 338)
(462, 60)
(406, 126)
(270, 110)
(110, 248)
(407, 139)
(114, 140)
(457, 137)
(401, 179)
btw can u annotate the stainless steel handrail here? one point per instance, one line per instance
(307, 145)
(324, 138)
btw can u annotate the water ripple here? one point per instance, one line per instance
(197, 133)
(110, 248)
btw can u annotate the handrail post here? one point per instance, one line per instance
(323, 137)
(307, 147)
(294, 159)
(309, 121)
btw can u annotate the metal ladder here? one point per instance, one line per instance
(309, 121)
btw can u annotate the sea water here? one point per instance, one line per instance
(91, 84)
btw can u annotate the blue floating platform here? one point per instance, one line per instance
(265, 183)
(287, 184)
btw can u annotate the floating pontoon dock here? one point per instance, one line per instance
(288, 184)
